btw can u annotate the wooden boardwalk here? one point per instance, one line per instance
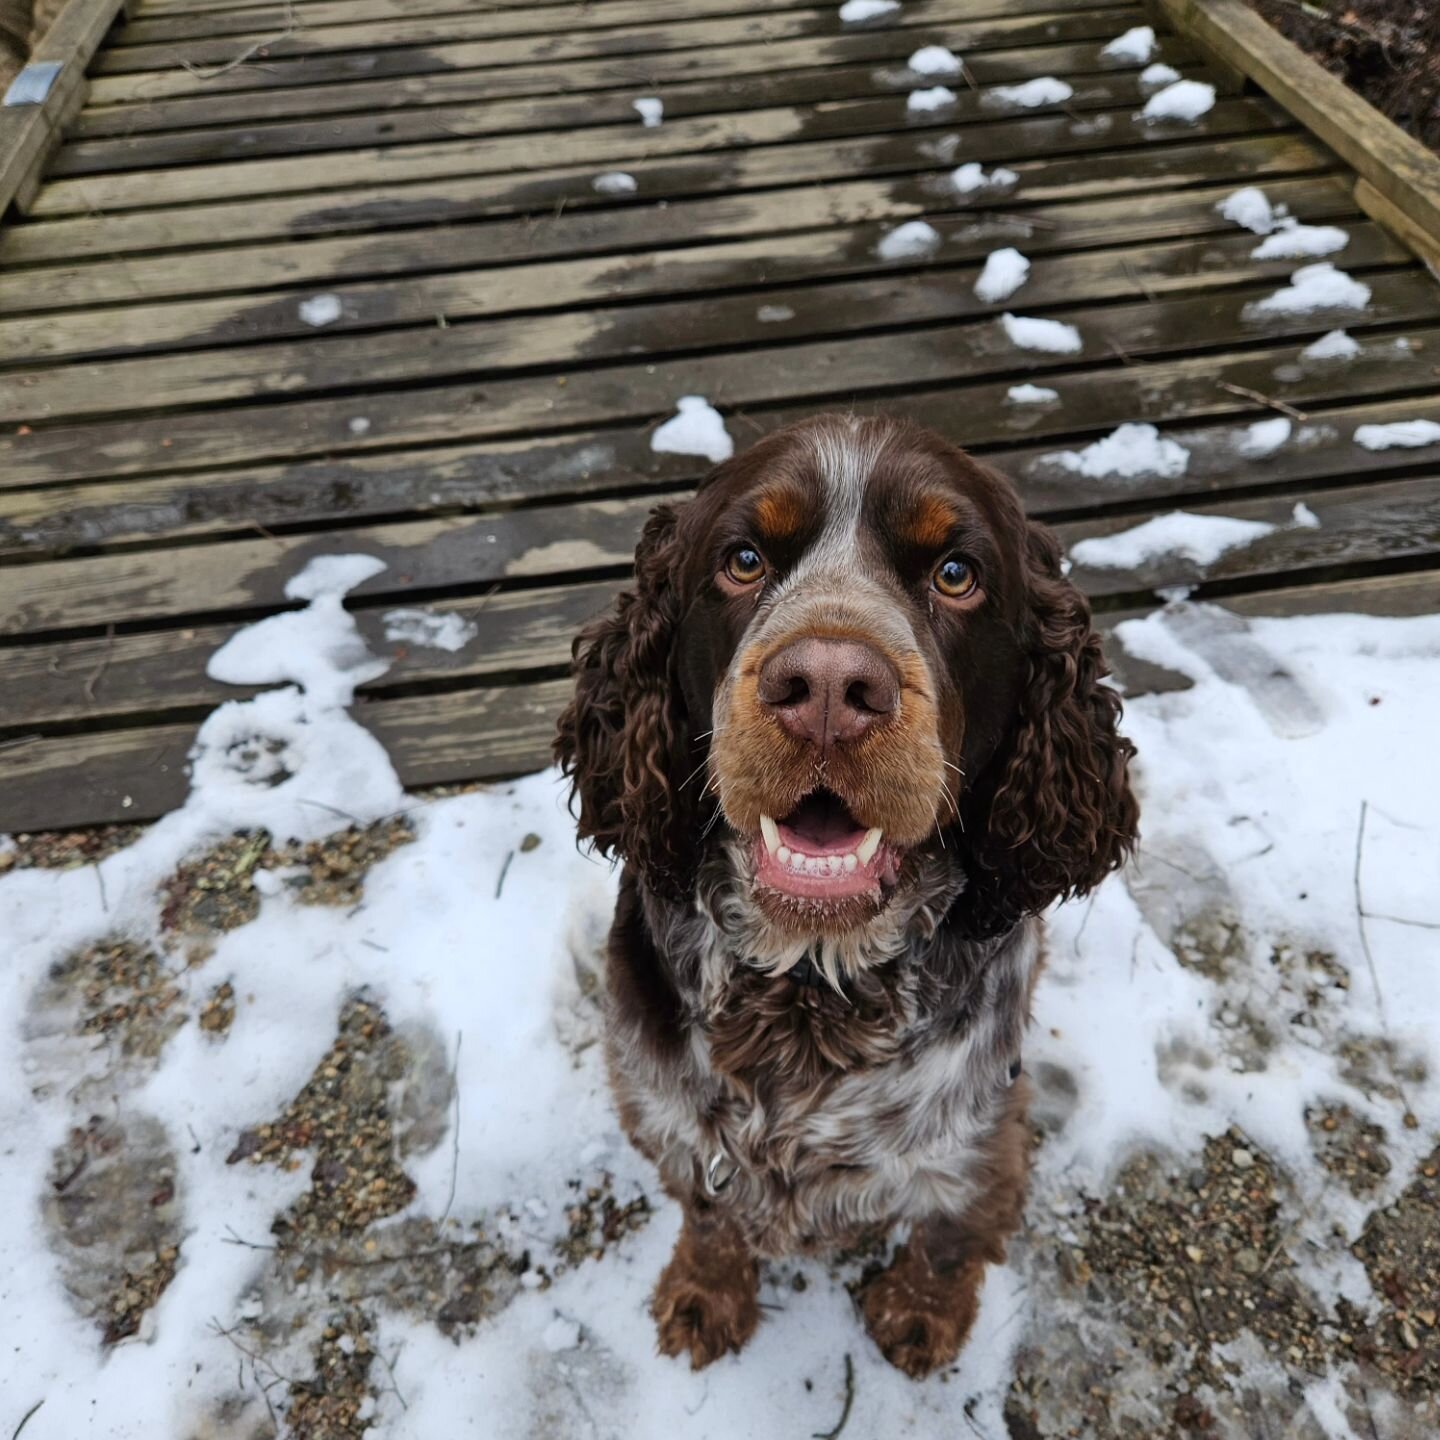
(176, 440)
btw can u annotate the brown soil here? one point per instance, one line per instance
(1387, 51)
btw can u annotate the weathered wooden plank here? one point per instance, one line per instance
(350, 490)
(607, 145)
(471, 253)
(30, 132)
(137, 774)
(374, 38)
(688, 189)
(135, 386)
(880, 54)
(381, 19)
(776, 375)
(437, 59)
(1394, 163)
(381, 129)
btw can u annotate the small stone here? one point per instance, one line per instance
(1241, 1159)
(1247, 1261)
(1197, 1255)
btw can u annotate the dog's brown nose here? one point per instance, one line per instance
(829, 692)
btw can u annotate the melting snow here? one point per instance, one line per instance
(1031, 394)
(1159, 74)
(651, 110)
(1185, 100)
(1264, 438)
(560, 1334)
(320, 310)
(1032, 334)
(971, 177)
(1135, 46)
(1336, 345)
(905, 242)
(1004, 273)
(937, 97)
(614, 182)
(1409, 434)
(852, 12)
(1315, 287)
(1249, 207)
(1201, 539)
(697, 429)
(1128, 451)
(430, 629)
(774, 314)
(935, 60)
(1304, 517)
(1045, 90)
(1293, 241)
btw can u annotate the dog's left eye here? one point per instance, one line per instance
(955, 577)
(745, 565)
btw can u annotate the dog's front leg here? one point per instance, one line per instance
(707, 1301)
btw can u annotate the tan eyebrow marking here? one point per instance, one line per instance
(781, 514)
(932, 523)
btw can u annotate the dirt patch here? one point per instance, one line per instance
(334, 869)
(337, 1403)
(343, 1114)
(1387, 51)
(123, 991)
(217, 1014)
(1400, 1249)
(114, 1218)
(1350, 1148)
(215, 891)
(598, 1219)
(66, 849)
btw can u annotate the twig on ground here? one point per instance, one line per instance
(233, 1238)
(390, 1371)
(25, 1419)
(504, 871)
(100, 881)
(248, 51)
(1267, 400)
(849, 1401)
(455, 1135)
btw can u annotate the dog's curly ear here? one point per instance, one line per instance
(1061, 812)
(624, 739)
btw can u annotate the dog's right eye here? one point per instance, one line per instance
(745, 565)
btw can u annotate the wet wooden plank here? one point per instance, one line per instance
(374, 39)
(372, 233)
(878, 54)
(255, 371)
(808, 372)
(607, 146)
(351, 490)
(827, 87)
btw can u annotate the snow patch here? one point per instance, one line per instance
(1031, 395)
(909, 241)
(855, 12)
(1408, 434)
(1159, 74)
(1315, 287)
(1185, 100)
(1004, 273)
(969, 178)
(650, 109)
(1201, 539)
(1294, 241)
(614, 182)
(430, 629)
(774, 314)
(1044, 90)
(560, 1334)
(1053, 336)
(1134, 47)
(935, 60)
(937, 97)
(320, 310)
(1336, 345)
(1129, 450)
(1304, 517)
(1264, 438)
(1251, 208)
(696, 429)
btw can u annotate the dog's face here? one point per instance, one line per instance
(852, 641)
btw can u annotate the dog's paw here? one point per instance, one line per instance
(919, 1319)
(704, 1313)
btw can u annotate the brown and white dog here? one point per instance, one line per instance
(848, 733)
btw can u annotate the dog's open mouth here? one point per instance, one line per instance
(820, 852)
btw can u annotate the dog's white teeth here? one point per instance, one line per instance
(833, 862)
(865, 850)
(783, 854)
(770, 832)
(797, 860)
(851, 864)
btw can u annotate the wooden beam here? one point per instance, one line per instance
(43, 99)
(1401, 178)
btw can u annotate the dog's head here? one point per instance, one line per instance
(854, 645)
